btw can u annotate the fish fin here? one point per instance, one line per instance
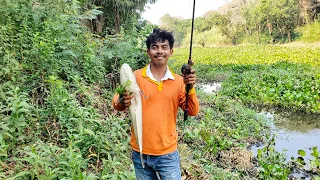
(143, 94)
(119, 100)
(142, 162)
(158, 176)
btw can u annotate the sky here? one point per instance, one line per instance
(182, 8)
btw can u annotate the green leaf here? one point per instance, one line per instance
(270, 167)
(89, 132)
(20, 174)
(301, 160)
(80, 177)
(3, 154)
(315, 152)
(301, 152)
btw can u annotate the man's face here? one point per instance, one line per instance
(159, 53)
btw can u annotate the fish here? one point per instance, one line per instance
(128, 80)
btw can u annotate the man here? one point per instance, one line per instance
(166, 93)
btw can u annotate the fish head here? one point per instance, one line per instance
(126, 73)
(128, 79)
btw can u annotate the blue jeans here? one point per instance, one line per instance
(168, 166)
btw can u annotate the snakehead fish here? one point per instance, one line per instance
(128, 79)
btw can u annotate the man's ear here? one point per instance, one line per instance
(171, 52)
(148, 52)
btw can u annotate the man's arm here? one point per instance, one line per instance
(193, 102)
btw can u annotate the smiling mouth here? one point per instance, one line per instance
(159, 57)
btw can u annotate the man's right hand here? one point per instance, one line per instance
(126, 101)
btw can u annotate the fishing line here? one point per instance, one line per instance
(192, 27)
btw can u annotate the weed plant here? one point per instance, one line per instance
(216, 142)
(56, 121)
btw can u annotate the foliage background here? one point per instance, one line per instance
(55, 91)
(250, 22)
(59, 63)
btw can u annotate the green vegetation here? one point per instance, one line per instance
(213, 145)
(249, 55)
(272, 164)
(314, 164)
(56, 120)
(207, 38)
(121, 88)
(310, 33)
(253, 22)
(276, 76)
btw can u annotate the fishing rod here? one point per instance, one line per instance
(186, 68)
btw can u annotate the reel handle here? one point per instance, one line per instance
(186, 70)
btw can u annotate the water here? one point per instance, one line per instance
(211, 87)
(293, 132)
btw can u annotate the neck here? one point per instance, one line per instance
(158, 71)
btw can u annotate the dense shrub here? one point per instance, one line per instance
(55, 117)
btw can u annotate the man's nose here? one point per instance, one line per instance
(160, 51)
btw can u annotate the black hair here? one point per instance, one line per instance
(160, 35)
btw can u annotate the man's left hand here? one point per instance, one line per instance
(190, 78)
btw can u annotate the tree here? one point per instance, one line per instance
(226, 26)
(309, 8)
(273, 18)
(116, 14)
(179, 27)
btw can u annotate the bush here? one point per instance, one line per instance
(310, 33)
(209, 38)
(55, 119)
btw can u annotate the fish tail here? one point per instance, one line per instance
(142, 162)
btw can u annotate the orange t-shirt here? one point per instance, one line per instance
(159, 112)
